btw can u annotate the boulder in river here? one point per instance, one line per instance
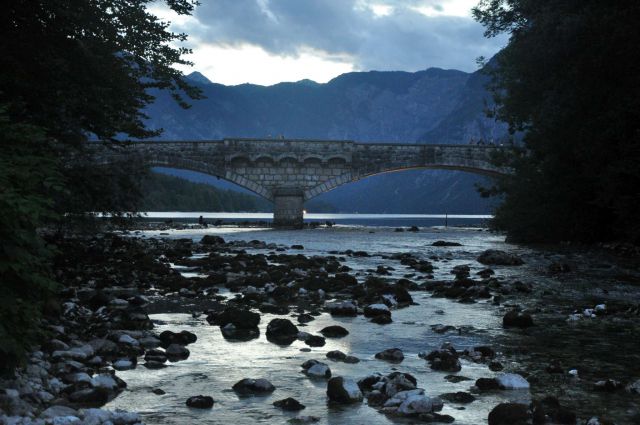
(512, 381)
(487, 384)
(509, 414)
(316, 369)
(282, 331)
(343, 391)
(182, 338)
(231, 332)
(250, 386)
(176, 352)
(499, 258)
(445, 243)
(374, 310)
(445, 359)
(200, 402)
(315, 341)
(381, 319)
(393, 355)
(289, 404)
(411, 403)
(241, 318)
(344, 308)
(514, 319)
(334, 331)
(461, 397)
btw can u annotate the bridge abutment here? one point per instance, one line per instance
(288, 208)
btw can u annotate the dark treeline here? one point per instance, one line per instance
(569, 79)
(167, 193)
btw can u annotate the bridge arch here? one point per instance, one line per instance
(349, 177)
(211, 170)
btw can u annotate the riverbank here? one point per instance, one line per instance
(177, 318)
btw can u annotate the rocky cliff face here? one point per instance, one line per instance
(431, 106)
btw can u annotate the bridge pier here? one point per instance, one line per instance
(288, 208)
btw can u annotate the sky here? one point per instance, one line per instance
(270, 41)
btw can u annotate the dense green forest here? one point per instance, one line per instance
(569, 80)
(167, 193)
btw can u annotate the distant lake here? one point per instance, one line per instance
(341, 219)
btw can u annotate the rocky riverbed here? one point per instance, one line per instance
(332, 326)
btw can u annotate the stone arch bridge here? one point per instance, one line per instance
(290, 172)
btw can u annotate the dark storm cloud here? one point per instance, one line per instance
(405, 39)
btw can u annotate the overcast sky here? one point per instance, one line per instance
(269, 41)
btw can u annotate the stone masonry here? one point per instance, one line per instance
(290, 172)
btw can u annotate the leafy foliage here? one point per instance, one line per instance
(28, 174)
(70, 71)
(569, 78)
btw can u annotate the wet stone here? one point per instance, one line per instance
(200, 402)
(334, 331)
(343, 391)
(250, 386)
(514, 319)
(458, 397)
(509, 414)
(289, 404)
(393, 355)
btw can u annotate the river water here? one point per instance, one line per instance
(216, 364)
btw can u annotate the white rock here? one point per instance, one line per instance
(54, 411)
(401, 396)
(417, 404)
(600, 307)
(378, 307)
(123, 364)
(352, 389)
(127, 339)
(512, 381)
(96, 416)
(319, 370)
(66, 420)
(79, 377)
(302, 291)
(105, 381)
(573, 373)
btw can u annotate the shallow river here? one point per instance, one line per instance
(216, 364)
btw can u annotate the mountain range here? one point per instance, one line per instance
(430, 106)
